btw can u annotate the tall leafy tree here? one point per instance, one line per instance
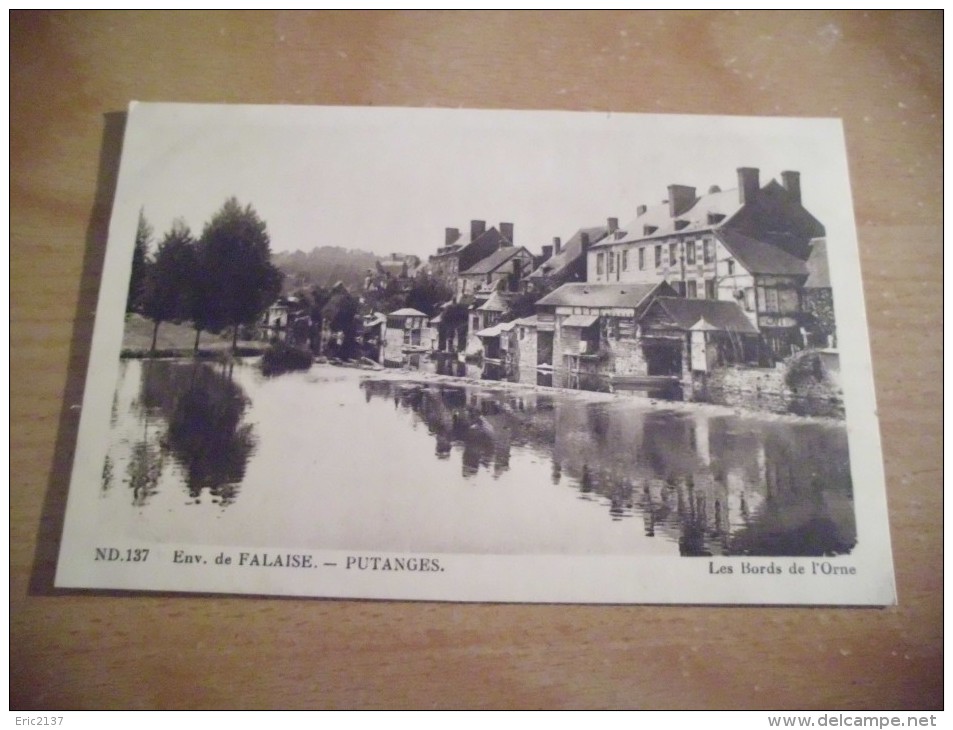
(169, 284)
(140, 254)
(339, 313)
(236, 280)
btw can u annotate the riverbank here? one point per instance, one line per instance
(712, 409)
(178, 340)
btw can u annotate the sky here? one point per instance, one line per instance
(391, 180)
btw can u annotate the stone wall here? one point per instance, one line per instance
(802, 385)
(525, 352)
(626, 356)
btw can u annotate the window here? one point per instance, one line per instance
(625, 260)
(767, 299)
(692, 289)
(709, 250)
(710, 289)
(600, 263)
(731, 267)
(658, 256)
(641, 258)
(788, 301)
(611, 262)
(749, 299)
(672, 253)
(689, 252)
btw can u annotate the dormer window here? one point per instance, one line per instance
(714, 218)
(680, 224)
(649, 230)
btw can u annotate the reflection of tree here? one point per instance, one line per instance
(194, 412)
(145, 466)
(207, 436)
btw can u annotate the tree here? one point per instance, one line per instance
(167, 291)
(427, 295)
(340, 313)
(140, 254)
(236, 280)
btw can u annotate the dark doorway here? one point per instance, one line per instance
(663, 358)
(544, 348)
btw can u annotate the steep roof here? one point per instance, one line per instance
(685, 313)
(459, 247)
(818, 273)
(723, 203)
(568, 254)
(602, 295)
(495, 260)
(759, 257)
(495, 303)
(407, 312)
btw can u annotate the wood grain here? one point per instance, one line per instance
(880, 72)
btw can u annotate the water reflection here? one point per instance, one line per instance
(189, 413)
(341, 459)
(713, 484)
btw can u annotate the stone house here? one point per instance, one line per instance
(818, 298)
(460, 253)
(749, 245)
(680, 336)
(502, 269)
(407, 332)
(587, 327)
(483, 315)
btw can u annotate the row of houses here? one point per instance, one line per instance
(696, 283)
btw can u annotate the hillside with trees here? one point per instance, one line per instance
(324, 266)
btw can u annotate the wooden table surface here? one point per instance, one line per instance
(880, 72)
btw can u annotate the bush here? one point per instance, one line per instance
(282, 358)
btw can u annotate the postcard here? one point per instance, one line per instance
(473, 355)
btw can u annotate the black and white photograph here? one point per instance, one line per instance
(466, 355)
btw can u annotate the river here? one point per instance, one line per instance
(337, 458)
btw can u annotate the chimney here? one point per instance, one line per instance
(584, 242)
(748, 185)
(506, 229)
(557, 245)
(791, 181)
(641, 210)
(452, 234)
(680, 199)
(612, 224)
(477, 229)
(547, 253)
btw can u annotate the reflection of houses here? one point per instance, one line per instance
(748, 245)
(460, 253)
(567, 263)
(502, 269)
(407, 332)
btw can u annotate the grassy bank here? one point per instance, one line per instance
(176, 340)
